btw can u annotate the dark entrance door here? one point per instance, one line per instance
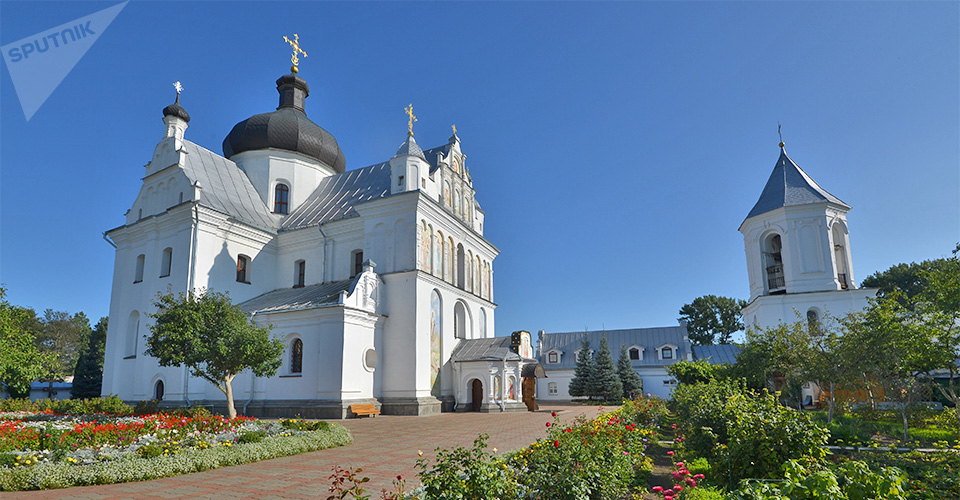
(477, 394)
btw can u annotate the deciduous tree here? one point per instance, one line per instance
(20, 361)
(212, 337)
(712, 319)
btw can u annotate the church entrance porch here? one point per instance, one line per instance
(477, 396)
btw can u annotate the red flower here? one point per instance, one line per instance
(691, 483)
(399, 478)
(553, 414)
(556, 444)
(549, 424)
(678, 487)
(569, 429)
(699, 476)
(680, 464)
(657, 489)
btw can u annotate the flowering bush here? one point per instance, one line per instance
(44, 450)
(686, 481)
(468, 473)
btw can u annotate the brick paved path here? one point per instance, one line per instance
(383, 446)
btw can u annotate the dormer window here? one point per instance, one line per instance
(667, 353)
(281, 198)
(243, 269)
(553, 357)
(634, 354)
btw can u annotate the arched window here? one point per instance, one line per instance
(444, 253)
(243, 269)
(158, 390)
(469, 285)
(449, 260)
(840, 256)
(635, 354)
(281, 198)
(296, 356)
(133, 329)
(165, 262)
(356, 259)
(138, 274)
(459, 321)
(773, 264)
(476, 275)
(483, 323)
(299, 273)
(461, 273)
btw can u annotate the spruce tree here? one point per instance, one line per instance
(606, 382)
(88, 376)
(628, 376)
(582, 374)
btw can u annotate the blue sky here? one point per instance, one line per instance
(615, 147)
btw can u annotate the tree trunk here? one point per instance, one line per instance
(903, 413)
(831, 403)
(870, 398)
(228, 390)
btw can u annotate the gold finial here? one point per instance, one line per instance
(781, 135)
(295, 43)
(413, 118)
(454, 127)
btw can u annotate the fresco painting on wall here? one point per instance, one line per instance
(435, 343)
(511, 389)
(497, 394)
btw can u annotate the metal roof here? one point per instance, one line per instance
(647, 338)
(490, 349)
(410, 147)
(789, 185)
(432, 155)
(336, 196)
(717, 354)
(224, 187)
(296, 299)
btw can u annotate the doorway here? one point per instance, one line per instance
(477, 394)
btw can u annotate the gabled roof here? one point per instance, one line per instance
(647, 338)
(337, 195)
(789, 185)
(717, 354)
(490, 349)
(296, 299)
(224, 187)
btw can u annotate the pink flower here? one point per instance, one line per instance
(657, 489)
(699, 476)
(670, 453)
(680, 464)
(626, 453)
(678, 487)
(690, 482)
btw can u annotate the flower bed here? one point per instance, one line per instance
(41, 450)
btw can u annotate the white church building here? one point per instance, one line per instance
(797, 245)
(372, 277)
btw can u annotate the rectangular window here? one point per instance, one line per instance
(243, 267)
(357, 263)
(165, 262)
(666, 353)
(552, 358)
(301, 273)
(635, 354)
(400, 181)
(553, 388)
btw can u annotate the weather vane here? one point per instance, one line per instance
(781, 135)
(295, 43)
(413, 118)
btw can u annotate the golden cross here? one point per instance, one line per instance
(413, 118)
(177, 86)
(454, 127)
(295, 43)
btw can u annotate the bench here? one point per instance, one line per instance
(368, 409)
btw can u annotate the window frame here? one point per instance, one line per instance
(166, 262)
(243, 269)
(300, 276)
(281, 199)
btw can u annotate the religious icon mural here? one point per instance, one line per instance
(424, 246)
(497, 387)
(435, 359)
(438, 254)
(526, 348)
(512, 388)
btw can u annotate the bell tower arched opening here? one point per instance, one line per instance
(775, 282)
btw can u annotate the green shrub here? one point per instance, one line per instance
(303, 425)
(251, 437)
(704, 493)
(191, 412)
(763, 435)
(701, 410)
(468, 473)
(110, 404)
(150, 450)
(851, 481)
(147, 407)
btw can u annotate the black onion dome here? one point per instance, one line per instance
(286, 128)
(176, 109)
